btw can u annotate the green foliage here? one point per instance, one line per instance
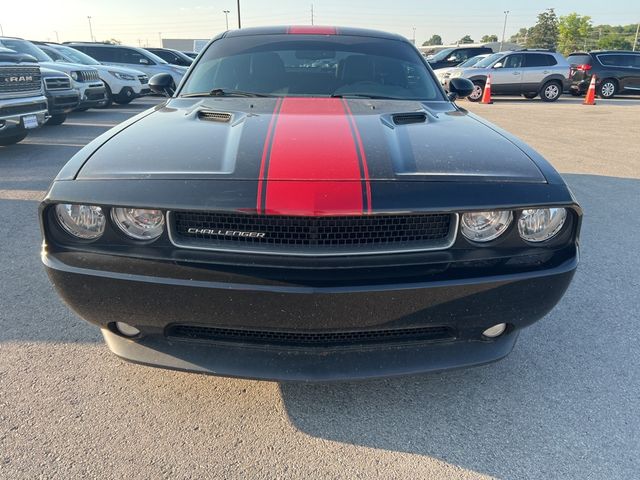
(573, 32)
(615, 41)
(489, 38)
(520, 37)
(434, 40)
(466, 39)
(112, 41)
(544, 34)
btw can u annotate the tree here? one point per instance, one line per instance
(521, 37)
(614, 41)
(466, 39)
(573, 32)
(113, 41)
(489, 38)
(434, 40)
(544, 34)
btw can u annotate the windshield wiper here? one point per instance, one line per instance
(220, 92)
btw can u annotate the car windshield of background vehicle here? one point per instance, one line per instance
(342, 65)
(22, 46)
(487, 62)
(579, 59)
(75, 56)
(441, 55)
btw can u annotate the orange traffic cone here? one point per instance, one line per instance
(590, 98)
(486, 93)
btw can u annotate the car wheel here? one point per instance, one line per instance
(529, 95)
(551, 91)
(476, 94)
(57, 119)
(11, 139)
(123, 100)
(607, 88)
(109, 96)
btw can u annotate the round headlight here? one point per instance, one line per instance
(74, 75)
(82, 221)
(139, 223)
(485, 226)
(540, 224)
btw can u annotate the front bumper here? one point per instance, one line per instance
(12, 111)
(92, 95)
(62, 101)
(162, 294)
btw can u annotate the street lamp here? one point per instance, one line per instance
(504, 28)
(91, 29)
(239, 22)
(226, 17)
(57, 37)
(414, 35)
(1, 30)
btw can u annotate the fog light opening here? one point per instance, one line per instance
(495, 331)
(126, 329)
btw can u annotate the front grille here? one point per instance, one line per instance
(17, 79)
(336, 235)
(88, 76)
(143, 79)
(57, 83)
(93, 95)
(23, 109)
(309, 339)
(63, 101)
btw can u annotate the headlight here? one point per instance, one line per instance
(123, 76)
(456, 74)
(485, 226)
(74, 75)
(139, 223)
(82, 221)
(540, 224)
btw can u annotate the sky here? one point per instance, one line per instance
(145, 22)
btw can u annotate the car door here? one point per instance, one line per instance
(506, 75)
(534, 70)
(133, 59)
(105, 55)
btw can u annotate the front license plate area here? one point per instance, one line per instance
(30, 121)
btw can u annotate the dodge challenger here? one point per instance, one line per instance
(309, 205)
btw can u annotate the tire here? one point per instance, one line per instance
(123, 101)
(478, 90)
(551, 91)
(11, 139)
(530, 95)
(607, 88)
(57, 119)
(109, 96)
(83, 109)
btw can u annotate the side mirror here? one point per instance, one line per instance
(162, 84)
(459, 88)
(144, 61)
(497, 65)
(452, 58)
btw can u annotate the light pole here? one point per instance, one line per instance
(414, 35)
(90, 29)
(57, 37)
(226, 17)
(1, 30)
(504, 28)
(239, 21)
(160, 37)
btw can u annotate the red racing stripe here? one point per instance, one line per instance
(266, 153)
(312, 30)
(313, 165)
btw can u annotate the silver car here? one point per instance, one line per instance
(524, 72)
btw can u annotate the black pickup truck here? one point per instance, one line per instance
(23, 105)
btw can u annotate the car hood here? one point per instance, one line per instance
(309, 139)
(66, 67)
(50, 73)
(113, 68)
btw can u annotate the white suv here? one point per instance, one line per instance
(131, 57)
(123, 84)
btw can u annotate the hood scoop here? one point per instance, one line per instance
(409, 118)
(213, 116)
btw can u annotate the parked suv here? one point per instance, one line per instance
(174, 57)
(451, 57)
(524, 72)
(133, 57)
(616, 71)
(122, 84)
(62, 98)
(23, 105)
(85, 79)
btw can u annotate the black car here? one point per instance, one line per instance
(173, 57)
(451, 57)
(277, 220)
(616, 71)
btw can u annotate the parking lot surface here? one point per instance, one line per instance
(564, 404)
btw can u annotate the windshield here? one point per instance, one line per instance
(338, 65)
(487, 62)
(472, 61)
(441, 55)
(22, 46)
(75, 56)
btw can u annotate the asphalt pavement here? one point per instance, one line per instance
(564, 404)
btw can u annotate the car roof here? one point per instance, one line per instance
(598, 52)
(312, 30)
